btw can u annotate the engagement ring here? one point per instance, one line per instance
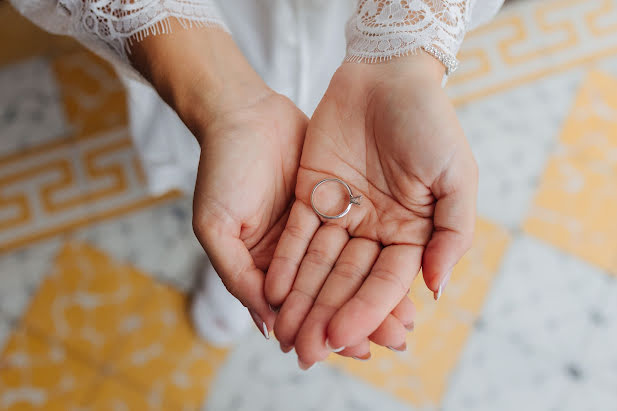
(353, 200)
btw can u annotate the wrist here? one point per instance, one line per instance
(199, 72)
(420, 64)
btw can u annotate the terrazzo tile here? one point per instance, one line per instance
(598, 360)
(161, 354)
(545, 299)
(35, 375)
(158, 240)
(258, 377)
(511, 135)
(83, 301)
(31, 112)
(498, 373)
(21, 273)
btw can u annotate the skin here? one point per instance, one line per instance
(251, 140)
(391, 133)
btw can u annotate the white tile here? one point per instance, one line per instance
(598, 358)
(544, 298)
(21, 273)
(496, 373)
(31, 110)
(258, 377)
(511, 135)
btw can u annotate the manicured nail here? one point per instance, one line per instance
(400, 348)
(334, 349)
(286, 348)
(442, 286)
(410, 326)
(304, 366)
(261, 324)
(363, 358)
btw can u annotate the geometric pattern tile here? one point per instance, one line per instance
(575, 205)
(419, 376)
(529, 40)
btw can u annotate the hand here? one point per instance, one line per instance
(250, 140)
(391, 133)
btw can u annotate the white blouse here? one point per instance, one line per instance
(295, 45)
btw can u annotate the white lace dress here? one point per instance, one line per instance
(295, 45)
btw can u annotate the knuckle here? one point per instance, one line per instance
(393, 280)
(349, 271)
(295, 232)
(316, 256)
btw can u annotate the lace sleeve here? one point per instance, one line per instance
(108, 27)
(382, 29)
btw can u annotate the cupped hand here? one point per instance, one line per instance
(250, 139)
(391, 133)
(245, 184)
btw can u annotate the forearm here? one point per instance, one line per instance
(200, 73)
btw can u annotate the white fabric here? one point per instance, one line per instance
(295, 45)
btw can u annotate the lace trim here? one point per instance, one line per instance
(383, 29)
(118, 23)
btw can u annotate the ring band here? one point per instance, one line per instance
(353, 200)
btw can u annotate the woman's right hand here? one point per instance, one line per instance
(250, 139)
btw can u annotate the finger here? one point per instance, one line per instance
(360, 352)
(454, 222)
(344, 281)
(405, 312)
(234, 264)
(324, 250)
(294, 241)
(392, 333)
(381, 292)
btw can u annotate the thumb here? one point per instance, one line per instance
(234, 264)
(453, 224)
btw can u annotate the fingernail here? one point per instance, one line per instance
(363, 358)
(442, 286)
(286, 348)
(304, 366)
(400, 348)
(334, 349)
(274, 309)
(260, 324)
(410, 326)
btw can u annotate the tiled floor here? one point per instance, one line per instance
(94, 272)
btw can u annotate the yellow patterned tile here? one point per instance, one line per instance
(35, 375)
(116, 395)
(575, 207)
(160, 352)
(419, 376)
(84, 300)
(93, 96)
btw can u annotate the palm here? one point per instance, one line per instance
(400, 147)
